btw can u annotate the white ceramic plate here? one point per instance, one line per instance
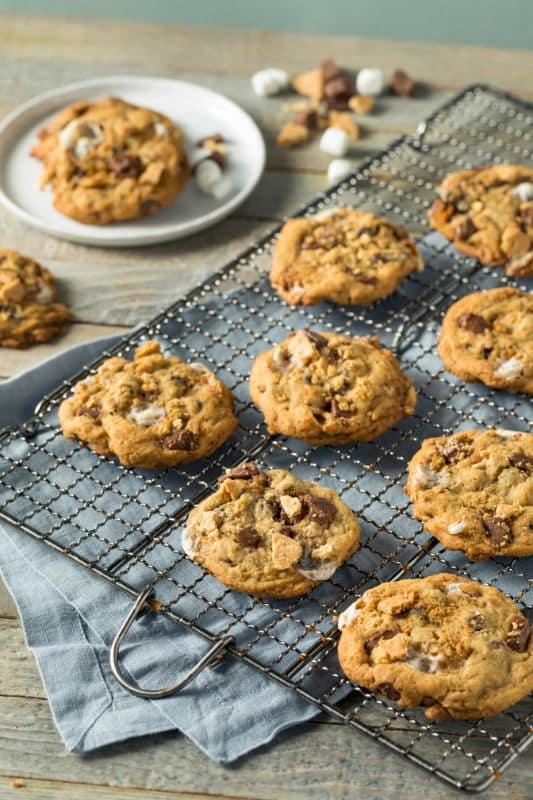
(198, 111)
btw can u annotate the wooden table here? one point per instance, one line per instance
(110, 290)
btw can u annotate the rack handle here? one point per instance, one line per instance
(138, 608)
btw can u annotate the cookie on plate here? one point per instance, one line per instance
(488, 336)
(458, 648)
(344, 255)
(487, 212)
(330, 389)
(474, 491)
(270, 533)
(155, 411)
(109, 161)
(29, 313)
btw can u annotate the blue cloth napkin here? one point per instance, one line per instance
(70, 618)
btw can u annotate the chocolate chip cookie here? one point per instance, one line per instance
(330, 389)
(110, 161)
(488, 336)
(344, 255)
(270, 533)
(29, 313)
(458, 648)
(155, 411)
(487, 212)
(474, 491)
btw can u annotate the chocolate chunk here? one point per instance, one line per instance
(518, 637)
(374, 640)
(498, 530)
(89, 411)
(338, 91)
(148, 206)
(464, 229)
(388, 691)
(363, 277)
(449, 452)
(248, 537)
(329, 70)
(286, 530)
(372, 230)
(477, 622)
(275, 506)
(319, 509)
(217, 138)
(125, 166)
(318, 340)
(181, 440)
(310, 244)
(378, 258)
(496, 645)
(308, 118)
(401, 83)
(338, 412)
(472, 322)
(486, 352)
(218, 158)
(522, 461)
(242, 472)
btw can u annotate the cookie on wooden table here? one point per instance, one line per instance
(458, 648)
(270, 533)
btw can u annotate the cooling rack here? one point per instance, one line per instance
(125, 524)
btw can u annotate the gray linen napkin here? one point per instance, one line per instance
(70, 617)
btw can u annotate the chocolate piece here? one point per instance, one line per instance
(372, 230)
(363, 277)
(125, 166)
(522, 461)
(89, 411)
(339, 412)
(374, 640)
(286, 530)
(181, 440)
(308, 118)
(330, 70)
(248, 537)
(518, 637)
(464, 229)
(477, 622)
(242, 472)
(449, 452)
(318, 340)
(319, 509)
(498, 530)
(217, 138)
(472, 322)
(338, 91)
(275, 507)
(401, 83)
(388, 691)
(309, 243)
(148, 206)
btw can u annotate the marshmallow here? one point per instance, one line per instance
(524, 191)
(510, 369)
(222, 187)
(370, 81)
(457, 527)
(268, 82)
(338, 168)
(348, 616)
(80, 137)
(147, 415)
(334, 141)
(160, 129)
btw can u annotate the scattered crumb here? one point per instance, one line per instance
(292, 134)
(344, 121)
(361, 103)
(156, 606)
(17, 784)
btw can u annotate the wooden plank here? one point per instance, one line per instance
(16, 788)
(236, 51)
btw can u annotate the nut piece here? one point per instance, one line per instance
(285, 551)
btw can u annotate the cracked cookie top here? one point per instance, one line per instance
(327, 388)
(109, 160)
(270, 533)
(341, 254)
(155, 411)
(458, 648)
(487, 212)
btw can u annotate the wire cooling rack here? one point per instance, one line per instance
(125, 524)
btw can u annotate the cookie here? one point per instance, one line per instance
(488, 336)
(330, 389)
(344, 255)
(29, 313)
(270, 533)
(458, 648)
(474, 491)
(155, 411)
(109, 161)
(487, 212)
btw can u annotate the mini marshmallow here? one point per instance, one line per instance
(187, 544)
(505, 433)
(456, 527)
(268, 82)
(370, 81)
(80, 137)
(509, 369)
(222, 187)
(207, 174)
(338, 168)
(147, 415)
(524, 191)
(334, 141)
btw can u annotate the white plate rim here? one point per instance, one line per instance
(137, 236)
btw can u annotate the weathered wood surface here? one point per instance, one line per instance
(110, 289)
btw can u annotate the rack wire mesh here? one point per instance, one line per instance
(125, 524)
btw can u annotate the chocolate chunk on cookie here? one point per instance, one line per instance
(488, 336)
(270, 533)
(469, 656)
(343, 255)
(481, 501)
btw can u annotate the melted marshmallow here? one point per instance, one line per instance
(321, 572)
(187, 544)
(147, 415)
(457, 527)
(80, 137)
(509, 369)
(348, 616)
